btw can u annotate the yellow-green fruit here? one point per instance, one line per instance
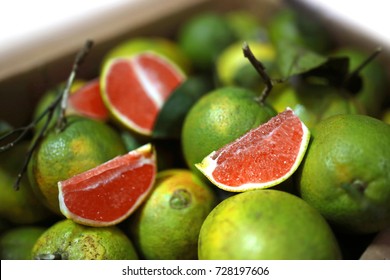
(345, 174)
(203, 37)
(217, 119)
(314, 102)
(83, 144)
(19, 207)
(67, 240)
(234, 69)
(266, 225)
(17, 243)
(159, 45)
(167, 225)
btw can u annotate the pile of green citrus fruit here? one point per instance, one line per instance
(238, 138)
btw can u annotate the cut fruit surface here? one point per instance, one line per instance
(261, 158)
(87, 101)
(135, 88)
(109, 193)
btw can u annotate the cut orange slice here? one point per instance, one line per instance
(135, 88)
(110, 192)
(87, 101)
(261, 158)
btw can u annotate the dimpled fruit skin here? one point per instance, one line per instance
(217, 119)
(346, 172)
(266, 224)
(72, 241)
(82, 145)
(167, 225)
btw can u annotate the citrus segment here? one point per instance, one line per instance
(109, 193)
(87, 101)
(135, 88)
(261, 158)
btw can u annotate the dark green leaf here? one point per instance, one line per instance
(294, 59)
(170, 119)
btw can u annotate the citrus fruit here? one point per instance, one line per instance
(83, 144)
(159, 45)
(202, 38)
(107, 194)
(233, 69)
(268, 225)
(17, 243)
(87, 101)
(218, 118)
(135, 88)
(245, 24)
(20, 207)
(314, 102)
(67, 240)
(345, 173)
(167, 225)
(261, 158)
(374, 79)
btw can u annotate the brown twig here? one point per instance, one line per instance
(260, 68)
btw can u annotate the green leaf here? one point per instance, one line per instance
(294, 59)
(171, 117)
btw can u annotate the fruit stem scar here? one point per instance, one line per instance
(355, 189)
(180, 199)
(260, 68)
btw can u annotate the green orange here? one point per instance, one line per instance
(83, 144)
(266, 225)
(345, 173)
(218, 118)
(202, 38)
(167, 225)
(67, 240)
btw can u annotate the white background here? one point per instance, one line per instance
(61, 25)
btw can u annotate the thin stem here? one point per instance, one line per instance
(61, 122)
(355, 73)
(260, 68)
(366, 61)
(32, 148)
